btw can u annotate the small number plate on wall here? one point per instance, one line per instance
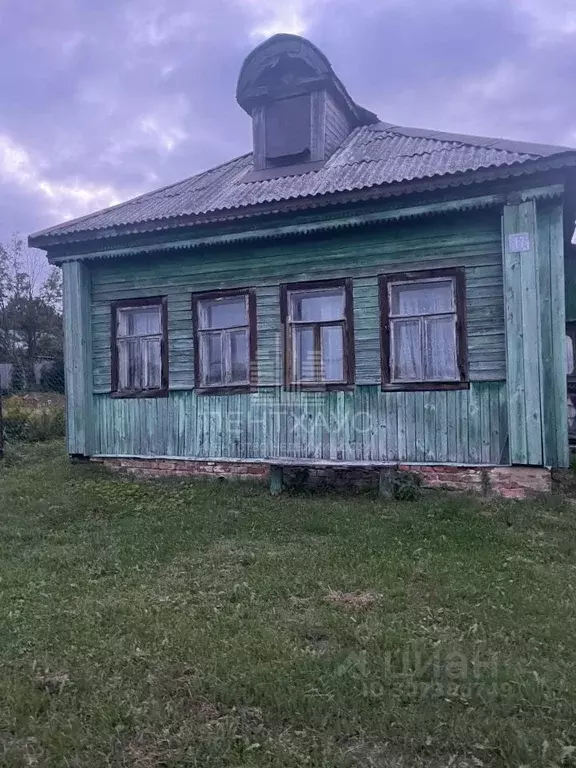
(519, 242)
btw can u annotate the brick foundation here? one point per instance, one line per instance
(520, 482)
(451, 478)
(187, 468)
(509, 482)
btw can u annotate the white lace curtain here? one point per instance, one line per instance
(423, 331)
(317, 307)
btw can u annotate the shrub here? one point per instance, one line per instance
(405, 486)
(32, 419)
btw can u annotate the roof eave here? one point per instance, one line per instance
(45, 240)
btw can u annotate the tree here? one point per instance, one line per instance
(30, 309)
(19, 377)
(52, 377)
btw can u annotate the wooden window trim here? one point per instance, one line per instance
(459, 276)
(234, 389)
(151, 301)
(347, 385)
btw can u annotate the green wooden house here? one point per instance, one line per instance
(351, 293)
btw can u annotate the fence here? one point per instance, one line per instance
(31, 401)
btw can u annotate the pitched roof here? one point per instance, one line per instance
(372, 156)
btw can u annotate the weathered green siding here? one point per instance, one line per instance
(551, 292)
(462, 426)
(471, 240)
(78, 356)
(535, 331)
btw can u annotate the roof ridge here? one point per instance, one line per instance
(488, 142)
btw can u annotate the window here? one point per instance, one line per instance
(319, 345)
(569, 355)
(225, 340)
(571, 379)
(423, 330)
(140, 348)
(570, 348)
(288, 131)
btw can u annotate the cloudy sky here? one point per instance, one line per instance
(101, 100)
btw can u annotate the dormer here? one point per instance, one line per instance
(301, 112)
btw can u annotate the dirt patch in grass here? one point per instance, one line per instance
(352, 601)
(52, 682)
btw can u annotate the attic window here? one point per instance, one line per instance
(288, 131)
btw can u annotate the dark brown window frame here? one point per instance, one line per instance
(157, 301)
(348, 346)
(459, 276)
(227, 389)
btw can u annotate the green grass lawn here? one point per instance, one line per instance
(207, 624)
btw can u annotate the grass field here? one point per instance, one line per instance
(197, 624)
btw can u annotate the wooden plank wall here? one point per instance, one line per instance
(523, 336)
(551, 287)
(336, 125)
(78, 357)
(462, 426)
(472, 240)
(535, 334)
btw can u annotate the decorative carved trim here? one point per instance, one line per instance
(290, 230)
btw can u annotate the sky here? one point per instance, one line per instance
(102, 100)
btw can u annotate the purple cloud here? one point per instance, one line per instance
(102, 101)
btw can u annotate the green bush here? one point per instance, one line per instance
(33, 419)
(405, 486)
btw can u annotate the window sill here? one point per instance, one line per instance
(424, 386)
(228, 390)
(147, 393)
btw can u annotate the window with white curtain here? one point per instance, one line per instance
(422, 326)
(139, 339)
(318, 332)
(225, 335)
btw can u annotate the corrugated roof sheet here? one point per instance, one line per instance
(371, 156)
